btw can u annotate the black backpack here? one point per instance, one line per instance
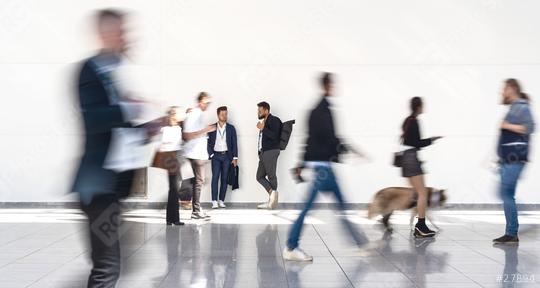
(286, 131)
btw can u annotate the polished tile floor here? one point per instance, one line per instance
(242, 248)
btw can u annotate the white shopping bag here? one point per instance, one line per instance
(186, 170)
(130, 149)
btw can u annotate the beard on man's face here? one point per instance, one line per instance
(506, 100)
(261, 116)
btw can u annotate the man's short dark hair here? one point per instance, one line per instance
(326, 79)
(105, 14)
(201, 96)
(264, 105)
(222, 108)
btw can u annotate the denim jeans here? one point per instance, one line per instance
(325, 180)
(509, 178)
(220, 168)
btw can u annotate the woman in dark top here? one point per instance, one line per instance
(412, 167)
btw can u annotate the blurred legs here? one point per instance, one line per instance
(172, 200)
(325, 181)
(509, 177)
(417, 182)
(198, 182)
(103, 219)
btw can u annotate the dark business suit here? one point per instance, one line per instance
(221, 162)
(268, 153)
(99, 188)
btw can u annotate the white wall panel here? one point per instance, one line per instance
(454, 53)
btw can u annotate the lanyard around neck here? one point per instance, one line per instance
(222, 135)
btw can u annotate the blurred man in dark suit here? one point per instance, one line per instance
(100, 188)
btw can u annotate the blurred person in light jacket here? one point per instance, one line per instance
(513, 152)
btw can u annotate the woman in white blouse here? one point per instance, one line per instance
(168, 158)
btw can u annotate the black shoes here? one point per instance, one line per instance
(177, 223)
(422, 231)
(506, 239)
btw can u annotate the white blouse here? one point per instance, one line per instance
(171, 138)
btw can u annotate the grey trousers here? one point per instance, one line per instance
(266, 172)
(197, 183)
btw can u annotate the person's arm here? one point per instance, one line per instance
(526, 123)
(413, 133)
(98, 115)
(271, 129)
(196, 134)
(234, 143)
(516, 128)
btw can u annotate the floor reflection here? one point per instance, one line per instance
(207, 256)
(242, 249)
(222, 269)
(269, 261)
(417, 261)
(509, 275)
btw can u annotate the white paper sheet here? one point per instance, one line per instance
(129, 150)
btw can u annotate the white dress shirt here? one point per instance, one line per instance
(171, 138)
(221, 139)
(195, 148)
(259, 144)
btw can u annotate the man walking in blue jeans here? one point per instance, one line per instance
(322, 150)
(513, 152)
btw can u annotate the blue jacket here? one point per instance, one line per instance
(232, 143)
(514, 147)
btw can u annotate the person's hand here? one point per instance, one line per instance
(211, 128)
(129, 97)
(235, 162)
(260, 125)
(153, 127)
(297, 174)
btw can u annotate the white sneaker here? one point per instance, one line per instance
(222, 204)
(273, 199)
(263, 206)
(215, 205)
(296, 254)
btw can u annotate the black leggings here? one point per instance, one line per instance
(172, 202)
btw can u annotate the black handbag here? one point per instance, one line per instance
(398, 159)
(398, 156)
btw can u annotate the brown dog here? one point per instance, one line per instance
(390, 199)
